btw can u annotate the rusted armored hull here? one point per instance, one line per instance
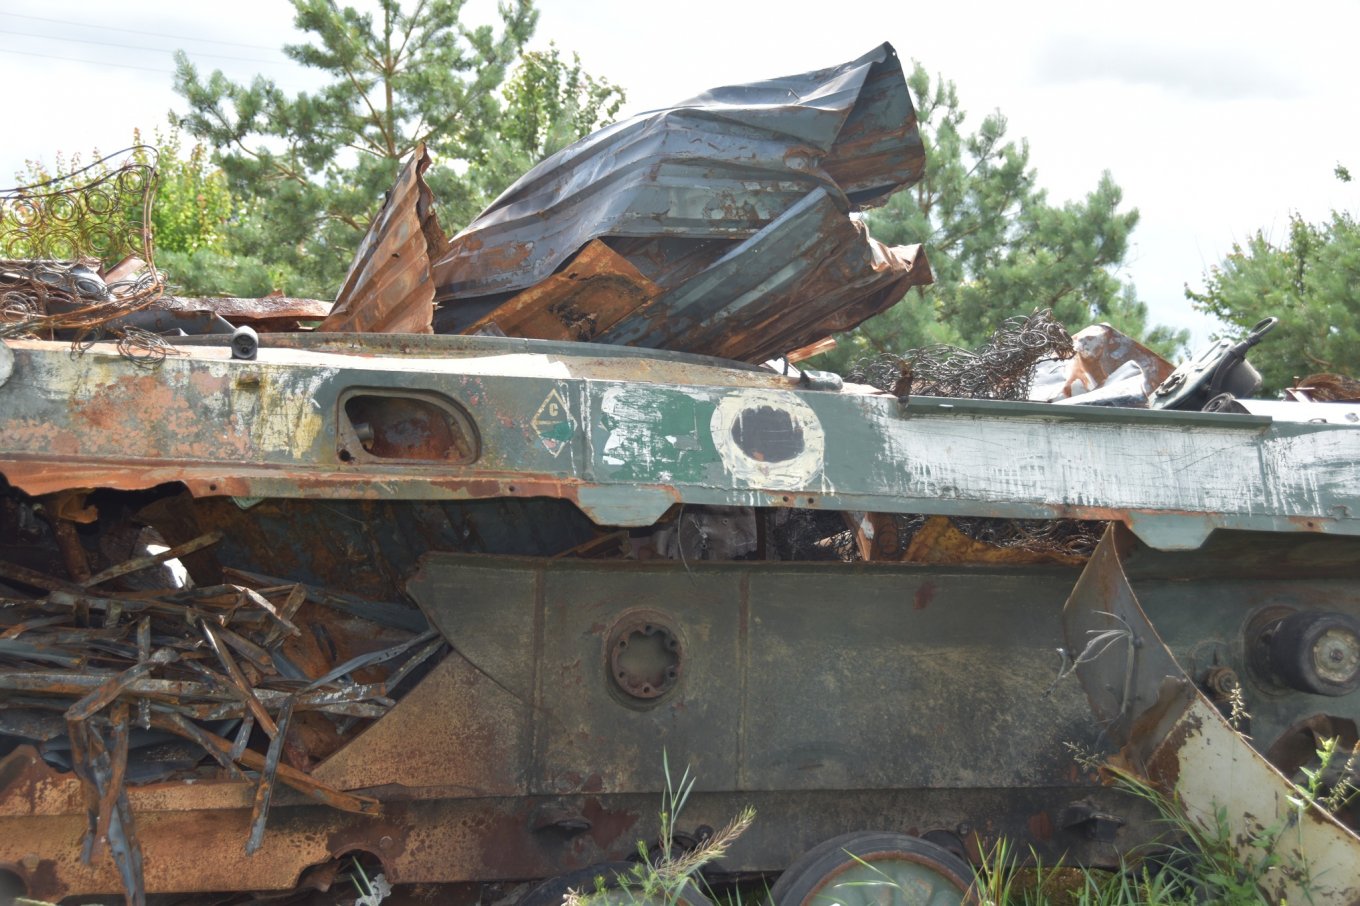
(906, 696)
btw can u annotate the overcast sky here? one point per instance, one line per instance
(1216, 118)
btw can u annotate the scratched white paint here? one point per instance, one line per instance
(1131, 465)
(627, 425)
(510, 364)
(283, 414)
(792, 474)
(641, 423)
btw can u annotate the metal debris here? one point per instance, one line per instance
(222, 314)
(1072, 538)
(389, 288)
(1099, 352)
(194, 663)
(57, 236)
(999, 370)
(977, 539)
(370, 472)
(1168, 733)
(719, 226)
(1325, 388)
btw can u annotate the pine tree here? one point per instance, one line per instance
(997, 247)
(312, 168)
(1311, 282)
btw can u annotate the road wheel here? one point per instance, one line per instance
(875, 868)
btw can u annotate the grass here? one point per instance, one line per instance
(665, 880)
(1185, 866)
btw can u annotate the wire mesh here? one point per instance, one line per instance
(1001, 369)
(60, 239)
(1072, 537)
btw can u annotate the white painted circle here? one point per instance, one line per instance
(768, 439)
(6, 362)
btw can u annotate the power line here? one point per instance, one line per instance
(48, 56)
(137, 31)
(29, 34)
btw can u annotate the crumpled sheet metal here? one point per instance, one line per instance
(1172, 736)
(1101, 350)
(734, 204)
(594, 293)
(388, 288)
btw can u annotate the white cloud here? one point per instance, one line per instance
(1205, 71)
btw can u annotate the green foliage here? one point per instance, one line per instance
(665, 879)
(997, 247)
(210, 272)
(549, 103)
(552, 103)
(312, 169)
(1311, 282)
(1190, 863)
(194, 215)
(1330, 785)
(193, 204)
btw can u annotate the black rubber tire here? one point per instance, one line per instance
(1291, 648)
(801, 882)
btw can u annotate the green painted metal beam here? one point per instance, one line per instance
(626, 436)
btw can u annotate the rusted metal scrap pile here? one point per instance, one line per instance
(721, 225)
(126, 682)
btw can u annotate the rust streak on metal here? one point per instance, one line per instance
(249, 311)
(347, 802)
(592, 293)
(389, 288)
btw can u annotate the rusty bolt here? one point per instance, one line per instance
(385, 842)
(1222, 682)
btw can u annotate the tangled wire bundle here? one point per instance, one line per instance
(999, 370)
(1072, 537)
(58, 237)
